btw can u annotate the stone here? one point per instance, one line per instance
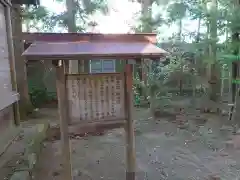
(236, 141)
(77, 173)
(21, 175)
(44, 145)
(238, 132)
(229, 145)
(35, 144)
(183, 126)
(224, 113)
(55, 173)
(214, 177)
(32, 160)
(223, 154)
(226, 128)
(74, 151)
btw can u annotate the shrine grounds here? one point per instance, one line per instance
(198, 146)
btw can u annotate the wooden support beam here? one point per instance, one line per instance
(12, 63)
(69, 119)
(129, 127)
(63, 115)
(20, 64)
(73, 67)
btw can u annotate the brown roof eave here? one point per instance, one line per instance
(87, 57)
(61, 37)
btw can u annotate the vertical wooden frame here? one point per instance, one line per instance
(12, 62)
(20, 63)
(129, 127)
(64, 116)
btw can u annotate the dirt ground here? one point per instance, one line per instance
(197, 148)
(13, 158)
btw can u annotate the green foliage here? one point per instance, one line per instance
(221, 19)
(28, 2)
(149, 24)
(216, 19)
(34, 13)
(229, 57)
(83, 11)
(163, 79)
(177, 11)
(91, 6)
(40, 19)
(39, 94)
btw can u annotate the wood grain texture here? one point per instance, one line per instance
(129, 127)
(63, 115)
(96, 97)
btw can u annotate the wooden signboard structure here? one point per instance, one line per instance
(94, 99)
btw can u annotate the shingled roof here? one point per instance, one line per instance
(94, 46)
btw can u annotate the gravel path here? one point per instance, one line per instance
(163, 151)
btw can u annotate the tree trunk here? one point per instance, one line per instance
(141, 70)
(27, 26)
(235, 69)
(71, 16)
(20, 64)
(198, 30)
(71, 24)
(146, 28)
(147, 13)
(180, 30)
(222, 81)
(214, 79)
(235, 42)
(235, 74)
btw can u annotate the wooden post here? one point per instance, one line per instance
(12, 63)
(129, 127)
(20, 64)
(63, 115)
(67, 71)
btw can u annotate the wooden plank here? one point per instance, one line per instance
(73, 67)
(4, 54)
(73, 76)
(20, 64)
(88, 99)
(70, 103)
(81, 100)
(98, 98)
(129, 127)
(8, 96)
(73, 98)
(12, 64)
(90, 121)
(88, 58)
(82, 128)
(62, 104)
